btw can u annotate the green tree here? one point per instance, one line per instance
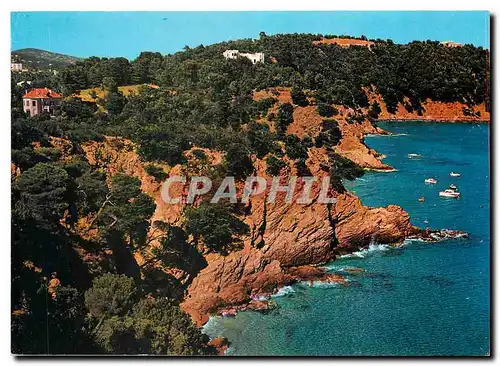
(298, 97)
(42, 193)
(110, 295)
(216, 226)
(274, 165)
(285, 118)
(237, 162)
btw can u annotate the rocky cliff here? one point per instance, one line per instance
(283, 236)
(286, 240)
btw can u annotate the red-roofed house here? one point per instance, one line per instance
(41, 99)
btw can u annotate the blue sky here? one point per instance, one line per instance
(126, 34)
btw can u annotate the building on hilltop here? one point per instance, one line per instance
(254, 57)
(16, 66)
(451, 44)
(41, 100)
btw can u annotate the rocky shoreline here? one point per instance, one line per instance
(288, 242)
(310, 274)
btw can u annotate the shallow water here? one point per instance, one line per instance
(421, 299)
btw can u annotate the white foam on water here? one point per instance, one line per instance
(260, 298)
(320, 284)
(366, 252)
(283, 291)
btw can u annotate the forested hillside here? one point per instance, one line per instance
(40, 59)
(78, 228)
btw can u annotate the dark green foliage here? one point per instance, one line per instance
(174, 251)
(110, 295)
(216, 226)
(91, 191)
(43, 194)
(329, 135)
(274, 165)
(76, 108)
(237, 162)
(326, 110)
(157, 143)
(203, 101)
(260, 138)
(294, 147)
(27, 157)
(263, 105)
(155, 171)
(129, 210)
(284, 118)
(374, 110)
(62, 320)
(153, 326)
(302, 169)
(298, 97)
(342, 168)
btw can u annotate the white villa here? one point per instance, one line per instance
(16, 66)
(254, 57)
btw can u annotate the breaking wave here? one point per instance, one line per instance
(284, 291)
(366, 252)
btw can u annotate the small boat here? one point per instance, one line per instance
(453, 187)
(413, 156)
(430, 181)
(454, 174)
(450, 193)
(426, 222)
(421, 199)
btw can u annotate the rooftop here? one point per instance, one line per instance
(41, 93)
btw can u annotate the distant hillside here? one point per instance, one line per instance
(41, 59)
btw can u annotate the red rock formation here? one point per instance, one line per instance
(433, 111)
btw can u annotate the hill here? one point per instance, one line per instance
(41, 59)
(87, 182)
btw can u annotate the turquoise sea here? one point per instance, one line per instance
(421, 299)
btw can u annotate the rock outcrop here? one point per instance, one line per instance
(284, 236)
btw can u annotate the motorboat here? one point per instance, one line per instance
(413, 156)
(421, 199)
(430, 181)
(453, 187)
(454, 174)
(450, 193)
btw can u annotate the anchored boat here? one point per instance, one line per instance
(450, 193)
(454, 174)
(413, 156)
(430, 181)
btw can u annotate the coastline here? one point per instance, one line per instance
(360, 253)
(356, 226)
(294, 235)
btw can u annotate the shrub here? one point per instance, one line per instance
(326, 110)
(156, 172)
(298, 97)
(274, 165)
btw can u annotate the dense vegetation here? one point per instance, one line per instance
(105, 301)
(41, 59)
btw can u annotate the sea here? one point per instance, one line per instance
(419, 299)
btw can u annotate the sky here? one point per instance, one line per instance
(126, 34)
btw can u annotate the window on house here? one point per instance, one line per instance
(27, 103)
(33, 103)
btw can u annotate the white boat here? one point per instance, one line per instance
(450, 193)
(453, 187)
(413, 156)
(430, 181)
(453, 174)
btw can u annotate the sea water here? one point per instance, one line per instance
(420, 299)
